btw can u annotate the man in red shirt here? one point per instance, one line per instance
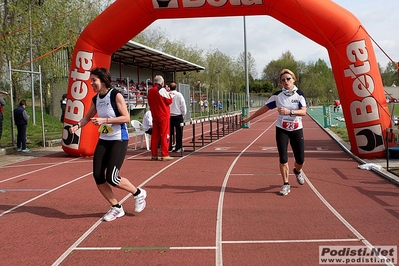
(159, 101)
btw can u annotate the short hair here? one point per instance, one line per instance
(103, 74)
(287, 71)
(172, 86)
(159, 80)
(22, 102)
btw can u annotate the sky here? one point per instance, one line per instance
(266, 36)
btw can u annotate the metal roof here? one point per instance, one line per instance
(133, 53)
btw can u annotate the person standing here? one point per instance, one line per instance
(21, 118)
(111, 148)
(178, 110)
(291, 106)
(337, 105)
(159, 101)
(147, 122)
(2, 104)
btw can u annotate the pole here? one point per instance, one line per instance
(246, 63)
(12, 105)
(217, 101)
(31, 66)
(41, 106)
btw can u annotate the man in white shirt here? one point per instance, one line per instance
(147, 122)
(177, 112)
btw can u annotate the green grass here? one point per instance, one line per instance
(341, 132)
(52, 128)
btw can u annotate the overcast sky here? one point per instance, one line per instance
(266, 36)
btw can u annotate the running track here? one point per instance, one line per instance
(217, 205)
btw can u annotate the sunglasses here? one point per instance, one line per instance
(286, 79)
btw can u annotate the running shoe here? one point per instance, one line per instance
(285, 190)
(167, 158)
(19, 149)
(139, 201)
(299, 176)
(25, 150)
(154, 158)
(113, 213)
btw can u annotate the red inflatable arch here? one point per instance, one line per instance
(340, 32)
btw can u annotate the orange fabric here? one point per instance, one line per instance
(350, 49)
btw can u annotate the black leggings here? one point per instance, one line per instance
(297, 144)
(108, 158)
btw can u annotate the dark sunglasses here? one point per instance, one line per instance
(286, 79)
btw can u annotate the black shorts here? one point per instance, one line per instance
(296, 141)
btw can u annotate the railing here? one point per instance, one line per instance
(219, 126)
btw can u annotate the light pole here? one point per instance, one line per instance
(31, 66)
(246, 64)
(200, 97)
(217, 74)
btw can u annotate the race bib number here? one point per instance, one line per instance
(290, 124)
(105, 129)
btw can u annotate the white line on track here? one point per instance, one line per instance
(219, 253)
(41, 195)
(38, 170)
(291, 241)
(342, 219)
(144, 248)
(219, 242)
(91, 229)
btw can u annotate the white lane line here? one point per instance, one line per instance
(38, 170)
(41, 195)
(290, 241)
(219, 218)
(23, 190)
(25, 165)
(345, 222)
(91, 229)
(145, 248)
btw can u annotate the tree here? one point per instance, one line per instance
(317, 81)
(38, 32)
(390, 75)
(272, 70)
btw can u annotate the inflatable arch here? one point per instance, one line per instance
(328, 24)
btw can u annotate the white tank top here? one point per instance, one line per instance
(106, 108)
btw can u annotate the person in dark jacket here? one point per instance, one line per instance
(21, 118)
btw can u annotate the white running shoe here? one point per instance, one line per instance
(285, 190)
(139, 201)
(113, 213)
(299, 176)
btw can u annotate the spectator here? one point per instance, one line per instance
(337, 106)
(21, 118)
(206, 105)
(63, 103)
(177, 112)
(220, 105)
(147, 122)
(159, 101)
